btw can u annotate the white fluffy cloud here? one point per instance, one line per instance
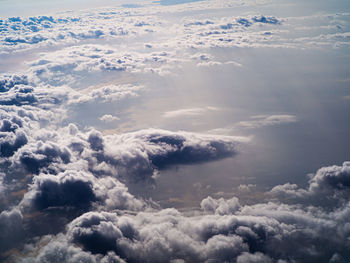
(105, 94)
(26, 32)
(109, 118)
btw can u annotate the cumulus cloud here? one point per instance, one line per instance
(11, 229)
(146, 150)
(78, 190)
(11, 137)
(106, 94)
(42, 155)
(69, 64)
(61, 251)
(220, 206)
(27, 32)
(266, 232)
(65, 190)
(327, 187)
(75, 171)
(108, 118)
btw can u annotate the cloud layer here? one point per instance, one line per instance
(66, 188)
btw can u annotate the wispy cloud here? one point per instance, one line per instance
(267, 120)
(189, 112)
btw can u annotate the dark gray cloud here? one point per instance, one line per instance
(9, 81)
(11, 229)
(184, 151)
(62, 251)
(96, 141)
(78, 190)
(36, 157)
(65, 190)
(140, 154)
(11, 139)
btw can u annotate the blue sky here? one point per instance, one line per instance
(227, 118)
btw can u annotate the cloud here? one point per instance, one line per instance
(191, 112)
(209, 64)
(40, 155)
(266, 20)
(254, 258)
(121, 23)
(11, 229)
(137, 156)
(27, 32)
(217, 63)
(250, 233)
(151, 149)
(150, 239)
(68, 64)
(108, 118)
(267, 120)
(110, 93)
(9, 81)
(328, 187)
(133, 156)
(220, 206)
(74, 170)
(22, 91)
(64, 189)
(61, 251)
(78, 190)
(202, 57)
(12, 137)
(256, 122)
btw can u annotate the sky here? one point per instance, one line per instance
(174, 131)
